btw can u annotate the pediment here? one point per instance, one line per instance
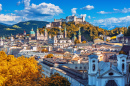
(111, 73)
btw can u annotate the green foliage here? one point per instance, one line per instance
(55, 80)
(27, 23)
(15, 26)
(127, 32)
(89, 31)
(21, 26)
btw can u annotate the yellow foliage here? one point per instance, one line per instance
(84, 41)
(17, 71)
(23, 71)
(114, 37)
(15, 26)
(49, 55)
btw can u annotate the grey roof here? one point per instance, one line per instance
(93, 56)
(60, 33)
(105, 67)
(64, 38)
(82, 44)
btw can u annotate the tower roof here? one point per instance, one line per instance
(37, 28)
(93, 56)
(65, 28)
(60, 33)
(79, 31)
(45, 29)
(32, 28)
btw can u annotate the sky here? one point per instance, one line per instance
(106, 14)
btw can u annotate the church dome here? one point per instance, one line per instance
(32, 32)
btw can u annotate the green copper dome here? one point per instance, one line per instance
(32, 32)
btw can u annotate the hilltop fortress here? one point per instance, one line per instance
(58, 22)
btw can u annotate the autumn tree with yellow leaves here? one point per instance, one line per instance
(21, 71)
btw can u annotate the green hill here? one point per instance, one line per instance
(20, 27)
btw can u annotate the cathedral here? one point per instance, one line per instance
(42, 36)
(61, 40)
(38, 35)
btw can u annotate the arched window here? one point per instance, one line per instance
(93, 61)
(123, 67)
(80, 67)
(93, 67)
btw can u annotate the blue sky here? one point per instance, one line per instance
(103, 13)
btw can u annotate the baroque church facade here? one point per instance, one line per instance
(38, 35)
(42, 36)
(106, 74)
(61, 40)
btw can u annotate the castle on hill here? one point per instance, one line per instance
(58, 22)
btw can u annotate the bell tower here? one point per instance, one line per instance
(65, 33)
(46, 34)
(93, 69)
(79, 35)
(121, 63)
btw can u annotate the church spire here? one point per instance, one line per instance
(65, 33)
(79, 35)
(79, 31)
(32, 28)
(37, 28)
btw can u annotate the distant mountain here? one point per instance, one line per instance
(20, 27)
(5, 24)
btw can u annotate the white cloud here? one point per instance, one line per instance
(73, 11)
(36, 11)
(88, 7)
(42, 12)
(89, 17)
(93, 17)
(26, 3)
(0, 7)
(125, 10)
(83, 15)
(8, 17)
(103, 12)
(113, 22)
(18, 3)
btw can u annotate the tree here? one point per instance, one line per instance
(76, 41)
(122, 52)
(49, 55)
(107, 40)
(55, 80)
(84, 41)
(23, 71)
(44, 50)
(19, 71)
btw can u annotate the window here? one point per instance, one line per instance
(123, 67)
(75, 67)
(93, 67)
(93, 60)
(84, 67)
(110, 73)
(80, 67)
(122, 60)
